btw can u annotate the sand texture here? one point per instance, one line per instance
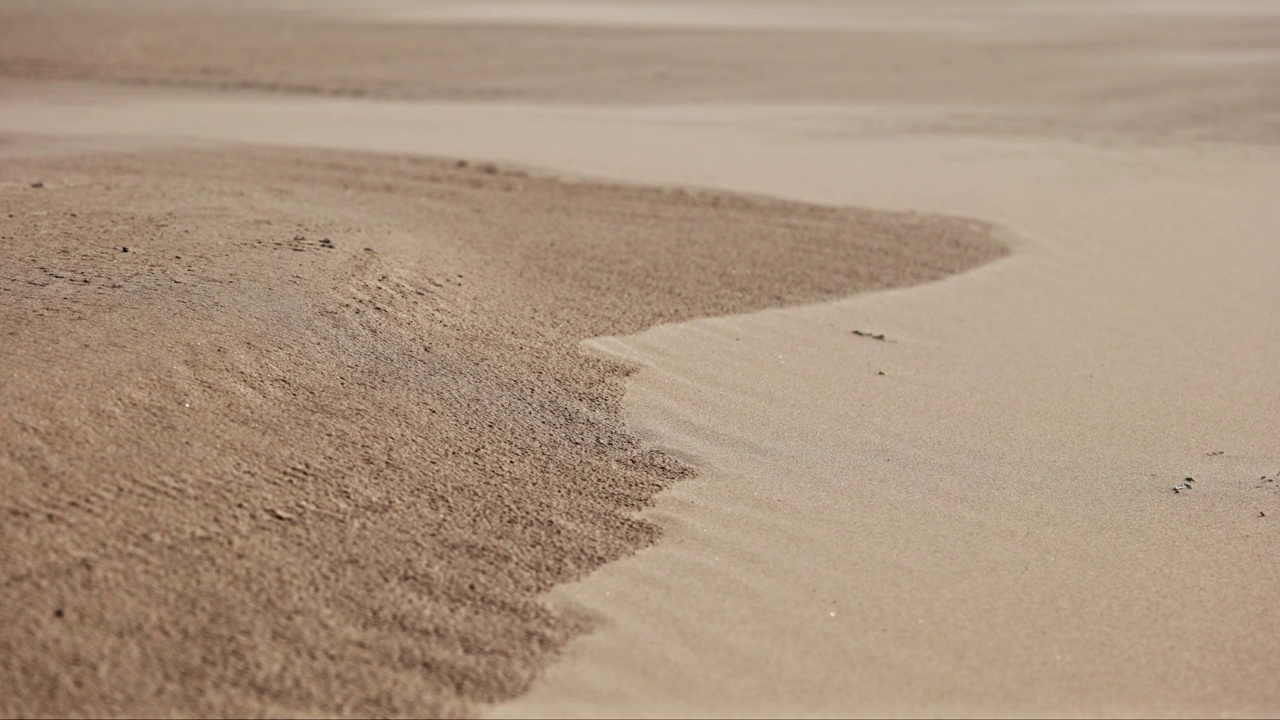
(976, 515)
(607, 420)
(318, 440)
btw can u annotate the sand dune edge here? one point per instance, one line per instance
(309, 431)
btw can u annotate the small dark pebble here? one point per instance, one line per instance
(880, 373)
(369, 250)
(873, 336)
(1189, 479)
(37, 184)
(59, 613)
(124, 249)
(1261, 514)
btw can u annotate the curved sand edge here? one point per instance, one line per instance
(321, 437)
(990, 526)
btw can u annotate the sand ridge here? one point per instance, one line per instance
(309, 432)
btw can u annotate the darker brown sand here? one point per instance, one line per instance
(319, 440)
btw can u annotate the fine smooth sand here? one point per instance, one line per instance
(324, 439)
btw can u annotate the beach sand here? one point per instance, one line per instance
(351, 429)
(306, 431)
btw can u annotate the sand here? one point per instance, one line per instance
(989, 527)
(310, 432)
(1189, 69)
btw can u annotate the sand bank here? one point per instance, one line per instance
(302, 431)
(974, 515)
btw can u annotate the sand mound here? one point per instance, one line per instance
(310, 432)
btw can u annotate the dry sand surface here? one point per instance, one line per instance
(1199, 70)
(974, 515)
(327, 438)
(302, 431)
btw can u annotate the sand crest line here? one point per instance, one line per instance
(352, 383)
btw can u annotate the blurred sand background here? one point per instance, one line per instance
(965, 507)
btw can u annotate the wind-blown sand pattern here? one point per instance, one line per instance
(311, 432)
(337, 432)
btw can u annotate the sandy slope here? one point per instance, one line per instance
(310, 432)
(988, 527)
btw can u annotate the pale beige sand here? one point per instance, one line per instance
(988, 527)
(991, 521)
